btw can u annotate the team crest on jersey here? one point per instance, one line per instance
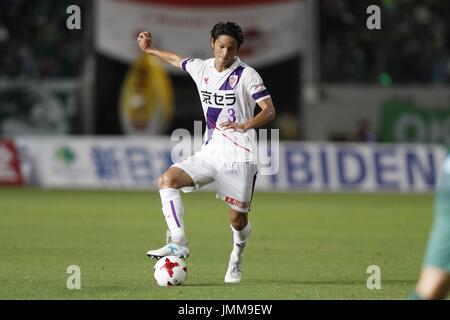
(233, 80)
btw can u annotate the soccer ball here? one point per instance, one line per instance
(170, 271)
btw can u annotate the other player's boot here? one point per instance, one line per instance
(234, 272)
(171, 249)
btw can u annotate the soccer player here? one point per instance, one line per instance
(434, 281)
(228, 90)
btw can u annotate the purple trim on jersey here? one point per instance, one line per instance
(184, 62)
(174, 213)
(212, 114)
(237, 72)
(260, 94)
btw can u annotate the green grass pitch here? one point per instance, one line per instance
(303, 246)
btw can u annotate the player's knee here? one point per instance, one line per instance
(167, 181)
(238, 220)
(238, 226)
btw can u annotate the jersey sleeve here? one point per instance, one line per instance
(194, 67)
(255, 86)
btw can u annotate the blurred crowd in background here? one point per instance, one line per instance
(37, 51)
(411, 47)
(34, 42)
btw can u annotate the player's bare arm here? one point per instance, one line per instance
(266, 115)
(145, 44)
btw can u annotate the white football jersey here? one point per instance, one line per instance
(229, 95)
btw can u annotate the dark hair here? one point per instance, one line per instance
(229, 29)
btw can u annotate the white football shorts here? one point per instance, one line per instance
(235, 181)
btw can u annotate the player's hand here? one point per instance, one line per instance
(144, 40)
(239, 127)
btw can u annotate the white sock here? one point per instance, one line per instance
(240, 239)
(173, 211)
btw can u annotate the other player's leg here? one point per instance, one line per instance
(434, 284)
(434, 281)
(172, 206)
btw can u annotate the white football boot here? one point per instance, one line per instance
(171, 249)
(168, 237)
(234, 272)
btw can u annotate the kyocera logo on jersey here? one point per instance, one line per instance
(233, 80)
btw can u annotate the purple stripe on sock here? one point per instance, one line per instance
(174, 213)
